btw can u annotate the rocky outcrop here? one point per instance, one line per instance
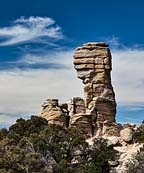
(92, 62)
(55, 113)
(78, 116)
(76, 106)
(96, 112)
(125, 149)
(126, 154)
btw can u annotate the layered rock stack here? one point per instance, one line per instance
(55, 113)
(92, 62)
(96, 112)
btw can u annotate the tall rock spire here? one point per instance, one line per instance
(92, 62)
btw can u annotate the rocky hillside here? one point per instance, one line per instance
(96, 112)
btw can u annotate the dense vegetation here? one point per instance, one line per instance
(33, 146)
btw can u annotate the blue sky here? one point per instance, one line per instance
(37, 40)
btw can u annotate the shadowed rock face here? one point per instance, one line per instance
(78, 117)
(92, 62)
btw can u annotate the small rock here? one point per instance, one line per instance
(126, 134)
(55, 113)
(113, 163)
(113, 140)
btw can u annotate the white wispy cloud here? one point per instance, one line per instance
(127, 75)
(113, 41)
(30, 29)
(59, 57)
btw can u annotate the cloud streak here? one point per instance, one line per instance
(127, 75)
(47, 60)
(30, 29)
(10, 66)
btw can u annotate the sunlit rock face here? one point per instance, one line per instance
(55, 113)
(93, 64)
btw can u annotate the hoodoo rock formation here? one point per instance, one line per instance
(55, 113)
(96, 112)
(92, 62)
(93, 65)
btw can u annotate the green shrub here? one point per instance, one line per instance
(29, 145)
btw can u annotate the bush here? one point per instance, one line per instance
(139, 134)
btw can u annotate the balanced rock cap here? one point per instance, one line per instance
(102, 44)
(93, 45)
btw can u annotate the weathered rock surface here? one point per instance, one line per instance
(126, 154)
(76, 106)
(93, 64)
(55, 113)
(127, 134)
(82, 120)
(111, 129)
(78, 117)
